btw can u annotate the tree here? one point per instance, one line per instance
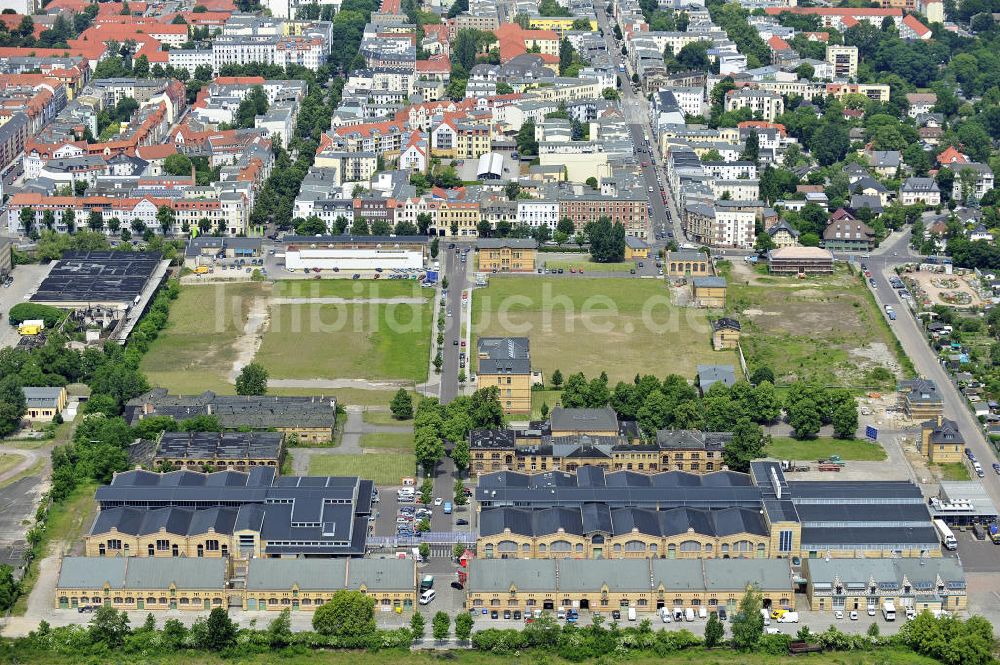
(805, 418)
(424, 550)
(165, 216)
(174, 634)
(418, 625)
(9, 587)
(556, 379)
(252, 380)
(751, 150)
(359, 227)
(401, 405)
(748, 624)
(220, 631)
(830, 142)
(463, 626)
(441, 624)
(714, 631)
(27, 219)
(109, 627)
(845, 420)
(380, 227)
(178, 164)
(459, 493)
(279, 632)
(460, 456)
(95, 220)
(654, 413)
(346, 614)
(428, 448)
(607, 241)
(747, 444)
(766, 406)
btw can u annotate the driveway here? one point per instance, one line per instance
(26, 281)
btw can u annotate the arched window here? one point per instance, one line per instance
(561, 546)
(761, 550)
(635, 546)
(690, 546)
(507, 546)
(489, 550)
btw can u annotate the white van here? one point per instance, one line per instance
(631, 614)
(689, 614)
(427, 596)
(767, 617)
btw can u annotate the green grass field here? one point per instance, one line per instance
(384, 469)
(354, 340)
(391, 440)
(196, 350)
(618, 325)
(539, 397)
(823, 447)
(349, 288)
(382, 418)
(953, 471)
(463, 657)
(824, 329)
(589, 266)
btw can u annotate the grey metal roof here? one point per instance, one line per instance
(513, 243)
(381, 574)
(41, 397)
(709, 282)
(709, 374)
(307, 574)
(921, 574)
(590, 575)
(817, 538)
(497, 575)
(920, 391)
(584, 420)
(691, 439)
(141, 573)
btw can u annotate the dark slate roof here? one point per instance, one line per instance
(504, 355)
(492, 438)
(726, 322)
(946, 432)
(921, 390)
(592, 517)
(106, 276)
(584, 420)
(709, 282)
(691, 439)
(220, 445)
(236, 411)
(311, 515)
(783, 226)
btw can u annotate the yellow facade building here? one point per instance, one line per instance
(709, 291)
(131, 584)
(558, 24)
(927, 584)
(646, 585)
(725, 334)
(941, 442)
(505, 362)
(920, 399)
(43, 403)
(294, 584)
(636, 249)
(687, 263)
(498, 255)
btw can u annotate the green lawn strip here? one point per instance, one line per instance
(392, 440)
(353, 340)
(9, 460)
(954, 471)
(384, 469)
(812, 450)
(589, 266)
(382, 418)
(65, 526)
(349, 288)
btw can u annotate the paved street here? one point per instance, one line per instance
(455, 270)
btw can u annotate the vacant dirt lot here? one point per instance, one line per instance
(825, 328)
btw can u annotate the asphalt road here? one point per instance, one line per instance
(636, 110)
(453, 268)
(895, 251)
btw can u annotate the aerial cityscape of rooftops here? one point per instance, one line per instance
(573, 329)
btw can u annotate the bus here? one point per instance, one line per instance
(945, 534)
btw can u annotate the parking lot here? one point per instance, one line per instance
(26, 281)
(977, 556)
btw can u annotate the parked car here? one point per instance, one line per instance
(838, 614)
(506, 614)
(462, 522)
(854, 615)
(616, 615)
(722, 614)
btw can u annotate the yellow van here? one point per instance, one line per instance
(201, 270)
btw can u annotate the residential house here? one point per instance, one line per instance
(43, 403)
(709, 291)
(848, 236)
(920, 399)
(507, 254)
(783, 234)
(919, 190)
(941, 442)
(505, 362)
(725, 334)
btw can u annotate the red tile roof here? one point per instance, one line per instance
(919, 29)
